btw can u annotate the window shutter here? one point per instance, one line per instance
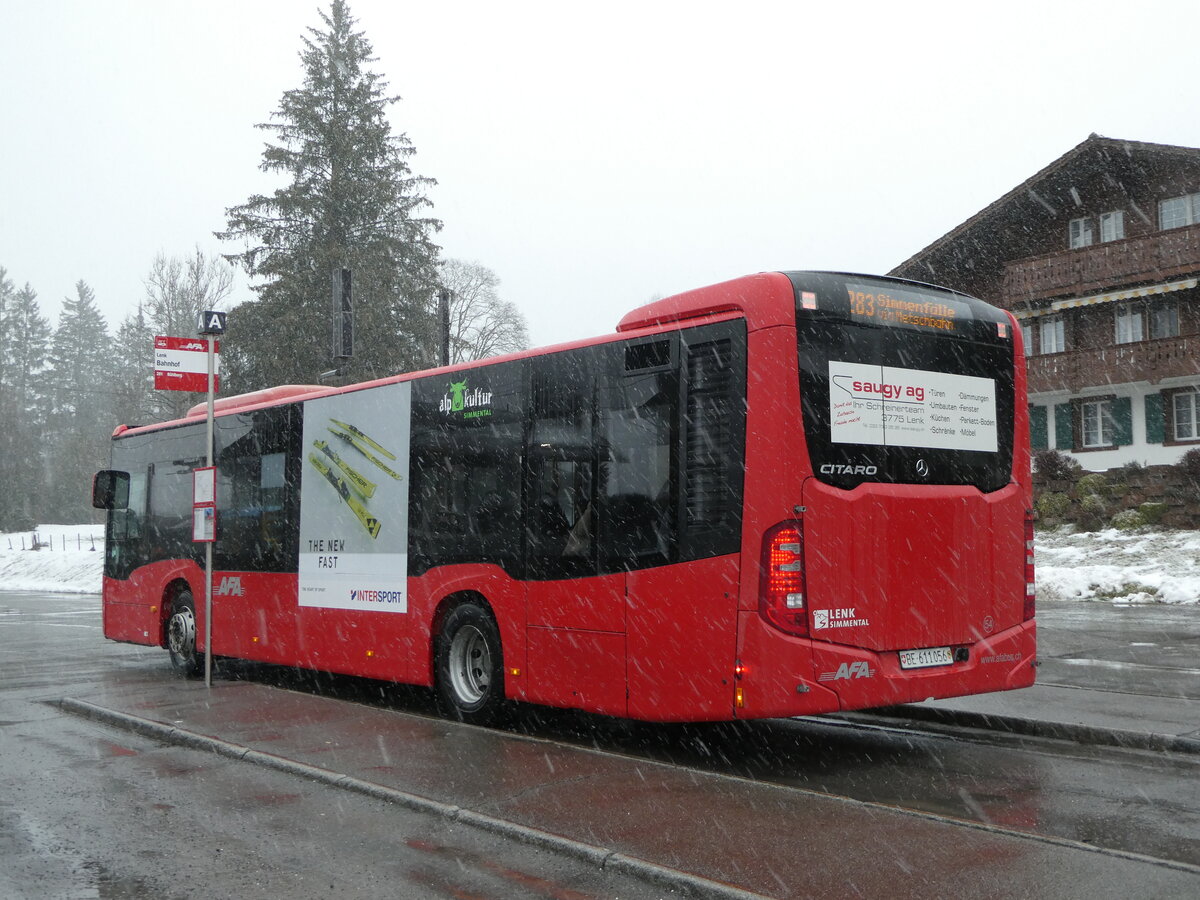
(1039, 428)
(1064, 438)
(1156, 423)
(1122, 413)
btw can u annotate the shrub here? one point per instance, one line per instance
(1055, 466)
(1093, 483)
(1189, 469)
(1053, 507)
(1152, 513)
(1093, 512)
(1189, 464)
(1128, 520)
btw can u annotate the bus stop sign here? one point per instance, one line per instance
(211, 322)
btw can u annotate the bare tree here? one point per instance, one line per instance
(481, 324)
(177, 290)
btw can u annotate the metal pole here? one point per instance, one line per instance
(208, 545)
(444, 310)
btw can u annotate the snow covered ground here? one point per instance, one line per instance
(1119, 566)
(1110, 566)
(68, 560)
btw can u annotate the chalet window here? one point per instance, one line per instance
(1081, 233)
(1053, 337)
(1130, 320)
(1097, 422)
(1112, 226)
(1164, 319)
(1179, 211)
(1185, 411)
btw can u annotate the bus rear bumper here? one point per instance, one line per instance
(791, 676)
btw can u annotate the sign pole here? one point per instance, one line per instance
(210, 324)
(208, 445)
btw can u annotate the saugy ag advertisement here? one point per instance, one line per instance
(354, 500)
(895, 407)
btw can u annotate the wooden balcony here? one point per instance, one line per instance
(1161, 256)
(1150, 361)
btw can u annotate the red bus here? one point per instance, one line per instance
(787, 494)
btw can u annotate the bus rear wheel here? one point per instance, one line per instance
(181, 636)
(469, 665)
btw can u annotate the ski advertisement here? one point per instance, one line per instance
(354, 500)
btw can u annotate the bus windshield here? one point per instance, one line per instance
(903, 383)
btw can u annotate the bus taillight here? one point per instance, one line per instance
(1030, 589)
(781, 595)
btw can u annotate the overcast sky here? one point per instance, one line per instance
(594, 155)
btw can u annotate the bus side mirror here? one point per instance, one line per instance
(110, 490)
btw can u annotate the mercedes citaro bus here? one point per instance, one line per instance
(786, 494)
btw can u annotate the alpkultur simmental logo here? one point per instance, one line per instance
(472, 403)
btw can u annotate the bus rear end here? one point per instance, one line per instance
(905, 570)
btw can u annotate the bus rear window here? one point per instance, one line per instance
(903, 384)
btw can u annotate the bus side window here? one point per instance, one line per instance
(561, 469)
(638, 494)
(126, 527)
(465, 490)
(561, 508)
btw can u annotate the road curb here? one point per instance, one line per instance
(662, 876)
(1067, 731)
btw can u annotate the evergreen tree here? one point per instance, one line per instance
(134, 399)
(351, 202)
(81, 417)
(24, 339)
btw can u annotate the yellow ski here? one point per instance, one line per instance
(358, 481)
(360, 446)
(368, 521)
(350, 429)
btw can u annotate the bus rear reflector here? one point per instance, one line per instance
(1030, 588)
(781, 600)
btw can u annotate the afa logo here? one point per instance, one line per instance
(846, 671)
(230, 586)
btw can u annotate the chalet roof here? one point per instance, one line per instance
(1095, 152)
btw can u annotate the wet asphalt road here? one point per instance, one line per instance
(73, 818)
(91, 812)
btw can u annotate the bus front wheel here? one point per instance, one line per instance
(469, 666)
(181, 636)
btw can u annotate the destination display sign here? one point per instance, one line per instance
(894, 407)
(889, 305)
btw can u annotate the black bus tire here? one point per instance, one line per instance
(468, 665)
(181, 636)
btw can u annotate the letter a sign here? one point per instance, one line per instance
(211, 322)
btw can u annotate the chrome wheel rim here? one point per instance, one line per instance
(181, 633)
(470, 665)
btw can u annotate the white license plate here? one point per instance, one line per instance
(925, 657)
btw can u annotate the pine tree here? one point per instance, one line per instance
(352, 202)
(81, 411)
(134, 399)
(24, 339)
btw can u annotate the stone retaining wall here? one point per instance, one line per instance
(1157, 495)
